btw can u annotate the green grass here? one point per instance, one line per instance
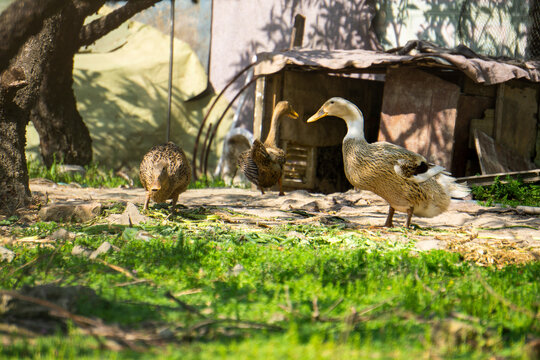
(511, 192)
(204, 182)
(95, 175)
(376, 299)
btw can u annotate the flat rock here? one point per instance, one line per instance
(293, 204)
(61, 234)
(6, 254)
(77, 211)
(102, 249)
(236, 270)
(311, 206)
(80, 250)
(130, 216)
(348, 210)
(143, 235)
(288, 204)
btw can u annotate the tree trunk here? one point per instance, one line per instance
(62, 133)
(18, 92)
(14, 190)
(19, 21)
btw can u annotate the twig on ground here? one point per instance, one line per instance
(122, 270)
(184, 305)
(51, 257)
(24, 266)
(349, 321)
(134, 282)
(288, 298)
(188, 292)
(35, 240)
(333, 306)
(316, 313)
(239, 324)
(375, 306)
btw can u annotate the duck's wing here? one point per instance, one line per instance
(411, 165)
(249, 167)
(259, 154)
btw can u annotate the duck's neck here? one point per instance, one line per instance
(273, 133)
(355, 124)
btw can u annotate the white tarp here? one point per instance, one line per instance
(121, 90)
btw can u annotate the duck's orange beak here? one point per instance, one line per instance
(320, 114)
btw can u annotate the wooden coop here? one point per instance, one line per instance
(470, 115)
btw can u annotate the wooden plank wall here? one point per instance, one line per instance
(511, 122)
(516, 117)
(472, 104)
(419, 112)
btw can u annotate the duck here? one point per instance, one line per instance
(405, 179)
(263, 163)
(165, 173)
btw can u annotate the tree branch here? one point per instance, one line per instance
(105, 24)
(87, 7)
(19, 21)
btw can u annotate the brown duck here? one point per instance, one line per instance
(403, 178)
(263, 163)
(165, 173)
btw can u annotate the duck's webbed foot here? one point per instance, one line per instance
(389, 222)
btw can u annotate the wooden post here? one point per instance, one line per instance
(260, 89)
(499, 103)
(297, 34)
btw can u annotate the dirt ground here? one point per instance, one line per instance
(486, 235)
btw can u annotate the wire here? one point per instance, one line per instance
(171, 55)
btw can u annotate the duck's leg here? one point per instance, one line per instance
(233, 175)
(174, 198)
(409, 216)
(388, 222)
(281, 193)
(147, 200)
(262, 191)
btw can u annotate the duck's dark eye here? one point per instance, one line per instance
(331, 102)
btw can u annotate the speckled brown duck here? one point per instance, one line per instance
(263, 163)
(165, 173)
(403, 178)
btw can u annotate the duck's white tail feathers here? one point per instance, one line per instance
(433, 171)
(451, 187)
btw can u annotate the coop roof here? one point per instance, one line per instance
(479, 68)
